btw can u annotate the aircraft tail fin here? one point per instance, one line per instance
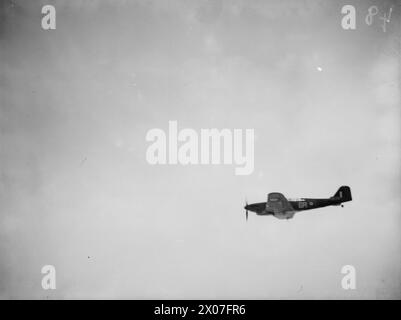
(344, 193)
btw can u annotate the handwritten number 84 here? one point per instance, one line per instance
(372, 11)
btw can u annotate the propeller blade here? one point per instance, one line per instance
(246, 210)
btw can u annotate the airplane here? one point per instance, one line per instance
(278, 206)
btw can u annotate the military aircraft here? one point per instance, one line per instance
(282, 208)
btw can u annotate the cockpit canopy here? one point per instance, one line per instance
(274, 196)
(278, 203)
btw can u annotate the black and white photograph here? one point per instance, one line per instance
(200, 150)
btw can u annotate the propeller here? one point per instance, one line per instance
(246, 210)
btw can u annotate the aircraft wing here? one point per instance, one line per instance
(278, 203)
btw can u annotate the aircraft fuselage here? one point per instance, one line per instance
(298, 205)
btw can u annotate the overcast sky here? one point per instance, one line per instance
(76, 191)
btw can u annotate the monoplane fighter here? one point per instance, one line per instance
(280, 207)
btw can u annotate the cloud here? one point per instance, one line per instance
(385, 77)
